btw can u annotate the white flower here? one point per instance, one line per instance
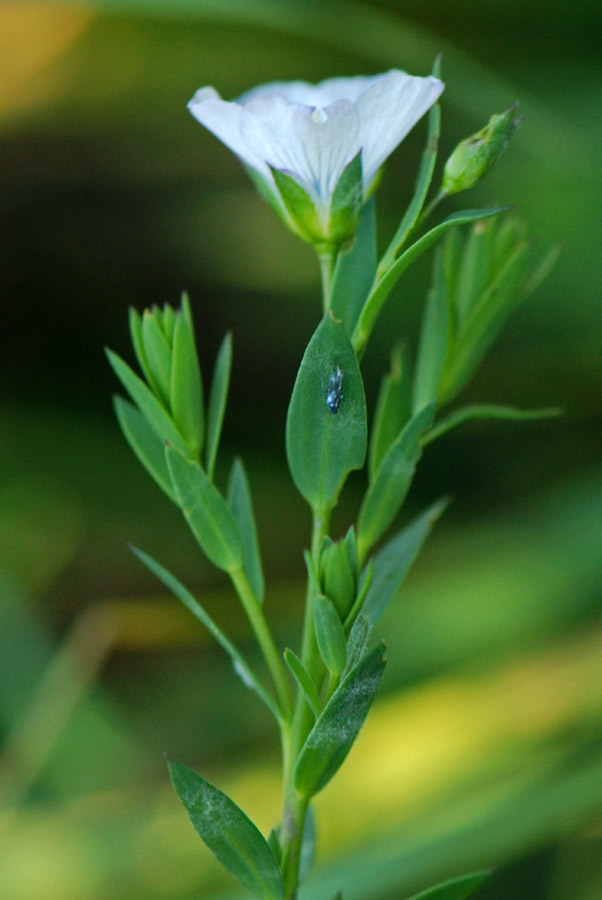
(312, 132)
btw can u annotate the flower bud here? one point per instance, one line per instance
(475, 156)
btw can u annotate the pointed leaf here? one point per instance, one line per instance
(432, 348)
(186, 388)
(228, 833)
(218, 396)
(326, 441)
(476, 268)
(135, 323)
(390, 277)
(158, 351)
(488, 411)
(144, 441)
(392, 563)
(456, 888)
(206, 511)
(191, 603)
(393, 409)
(303, 679)
(239, 501)
(392, 481)
(354, 270)
(152, 409)
(334, 733)
(329, 635)
(358, 642)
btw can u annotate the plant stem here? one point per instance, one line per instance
(327, 260)
(265, 640)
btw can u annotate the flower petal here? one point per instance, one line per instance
(312, 144)
(388, 109)
(224, 119)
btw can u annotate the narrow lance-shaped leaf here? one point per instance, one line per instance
(432, 348)
(206, 511)
(241, 666)
(135, 323)
(239, 501)
(326, 430)
(455, 889)
(158, 352)
(334, 733)
(218, 396)
(392, 480)
(152, 409)
(488, 411)
(329, 635)
(303, 679)
(228, 833)
(476, 268)
(393, 409)
(146, 444)
(388, 280)
(186, 388)
(354, 270)
(392, 563)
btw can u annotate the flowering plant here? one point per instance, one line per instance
(315, 152)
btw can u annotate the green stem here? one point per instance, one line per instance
(295, 806)
(327, 260)
(265, 640)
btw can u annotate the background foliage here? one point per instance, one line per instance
(486, 745)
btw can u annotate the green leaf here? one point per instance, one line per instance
(324, 446)
(338, 574)
(456, 888)
(392, 481)
(152, 409)
(392, 563)
(206, 511)
(475, 270)
(157, 351)
(423, 181)
(186, 389)
(308, 846)
(385, 284)
(484, 323)
(183, 594)
(329, 635)
(334, 733)
(393, 409)
(488, 411)
(218, 396)
(299, 206)
(144, 441)
(434, 337)
(303, 679)
(354, 270)
(228, 833)
(346, 201)
(357, 643)
(135, 322)
(239, 501)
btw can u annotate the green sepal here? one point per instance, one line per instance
(228, 833)
(239, 501)
(146, 444)
(392, 480)
(434, 339)
(392, 563)
(354, 270)
(304, 680)
(390, 277)
(241, 666)
(456, 888)
(338, 575)
(346, 202)
(152, 409)
(302, 213)
(157, 352)
(186, 387)
(393, 409)
(323, 447)
(218, 396)
(334, 733)
(488, 411)
(207, 513)
(329, 635)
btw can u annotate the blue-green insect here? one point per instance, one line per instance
(334, 392)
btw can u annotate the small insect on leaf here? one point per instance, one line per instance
(334, 393)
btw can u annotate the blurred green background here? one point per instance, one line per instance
(485, 748)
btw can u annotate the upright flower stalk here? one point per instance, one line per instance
(315, 152)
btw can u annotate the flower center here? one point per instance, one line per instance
(318, 115)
